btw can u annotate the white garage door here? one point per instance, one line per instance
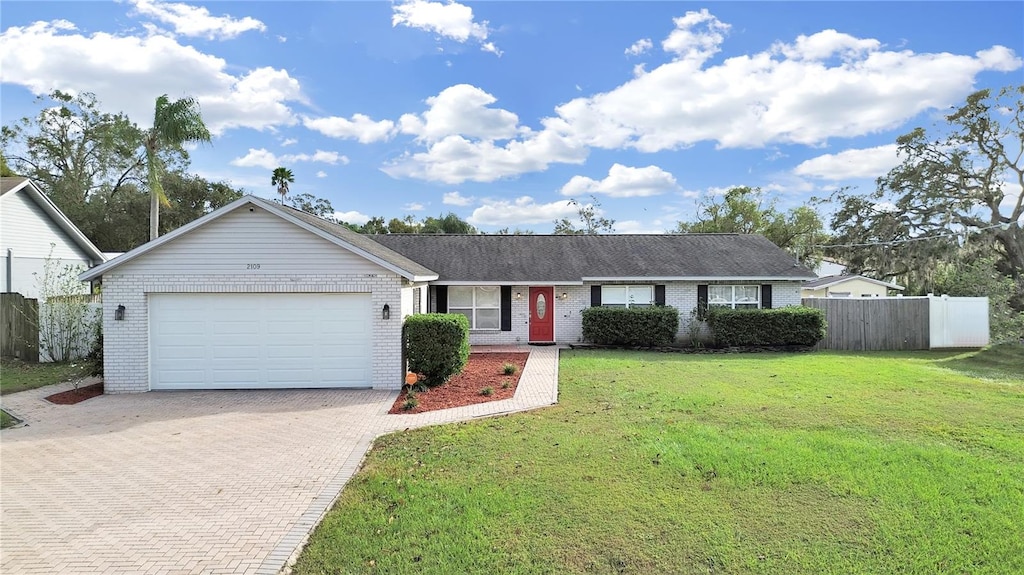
(252, 341)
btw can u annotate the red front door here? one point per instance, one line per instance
(542, 314)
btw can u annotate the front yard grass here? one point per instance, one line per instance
(18, 376)
(669, 463)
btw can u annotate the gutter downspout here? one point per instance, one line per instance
(10, 273)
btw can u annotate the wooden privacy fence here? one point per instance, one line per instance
(903, 323)
(19, 327)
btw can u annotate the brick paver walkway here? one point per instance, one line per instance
(195, 482)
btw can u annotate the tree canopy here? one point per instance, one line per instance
(743, 210)
(961, 184)
(92, 164)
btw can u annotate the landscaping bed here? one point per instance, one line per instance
(73, 396)
(483, 372)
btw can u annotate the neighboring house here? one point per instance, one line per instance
(848, 286)
(33, 229)
(259, 295)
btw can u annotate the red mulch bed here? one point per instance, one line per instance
(73, 396)
(482, 370)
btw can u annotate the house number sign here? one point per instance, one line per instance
(252, 266)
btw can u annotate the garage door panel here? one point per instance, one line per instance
(246, 340)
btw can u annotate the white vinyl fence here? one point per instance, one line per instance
(958, 321)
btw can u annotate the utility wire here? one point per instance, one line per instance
(908, 240)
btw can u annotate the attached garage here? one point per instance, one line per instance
(256, 295)
(259, 341)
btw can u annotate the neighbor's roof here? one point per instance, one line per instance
(577, 258)
(829, 281)
(334, 233)
(10, 186)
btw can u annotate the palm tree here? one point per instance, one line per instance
(174, 124)
(281, 178)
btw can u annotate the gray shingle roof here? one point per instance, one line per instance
(9, 183)
(557, 258)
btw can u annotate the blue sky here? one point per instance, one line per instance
(503, 111)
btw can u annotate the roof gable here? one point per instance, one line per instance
(829, 281)
(335, 234)
(578, 258)
(9, 187)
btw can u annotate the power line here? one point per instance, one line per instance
(908, 240)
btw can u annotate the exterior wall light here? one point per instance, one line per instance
(519, 295)
(387, 312)
(119, 313)
(565, 295)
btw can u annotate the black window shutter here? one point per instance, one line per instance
(702, 301)
(506, 308)
(442, 299)
(659, 295)
(595, 296)
(766, 296)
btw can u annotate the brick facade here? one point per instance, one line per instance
(568, 311)
(126, 343)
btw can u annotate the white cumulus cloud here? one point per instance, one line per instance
(639, 47)
(190, 20)
(413, 207)
(321, 174)
(522, 210)
(456, 199)
(624, 182)
(128, 73)
(461, 109)
(352, 217)
(447, 19)
(850, 164)
(361, 127)
(263, 158)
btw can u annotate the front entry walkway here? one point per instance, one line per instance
(195, 482)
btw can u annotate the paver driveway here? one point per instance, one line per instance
(194, 482)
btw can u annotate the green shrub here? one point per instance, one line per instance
(436, 345)
(487, 391)
(411, 402)
(636, 326)
(509, 368)
(795, 325)
(505, 384)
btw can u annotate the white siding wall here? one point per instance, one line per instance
(214, 258)
(29, 232)
(230, 244)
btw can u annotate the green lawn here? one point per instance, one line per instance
(673, 463)
(18, 376)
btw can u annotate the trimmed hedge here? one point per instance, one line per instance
(635, 326)
(794, 325)
(436, 345)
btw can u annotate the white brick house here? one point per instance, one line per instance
(258, 295)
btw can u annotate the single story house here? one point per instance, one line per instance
(260, 295)
(32, 230)
(848, 286)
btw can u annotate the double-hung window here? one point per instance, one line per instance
(736, 297)
(481, 305)
(627, 296)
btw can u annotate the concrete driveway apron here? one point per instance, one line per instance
(194, 482)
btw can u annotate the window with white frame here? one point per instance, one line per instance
(736, 297)
(627, 296)
(481, 305)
